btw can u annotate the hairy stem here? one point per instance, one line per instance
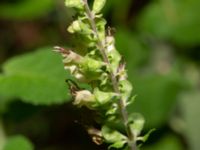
(115, 83)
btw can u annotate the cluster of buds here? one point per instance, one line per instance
(100, 66)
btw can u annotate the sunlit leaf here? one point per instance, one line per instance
(37, 78)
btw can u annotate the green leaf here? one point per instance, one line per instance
(146, 136)
(74, 4)
(100, 23)
(18, 142)
(26, 9)
(126, 88)
(104, 97)
(37, 78)
(112, 136)
(136, 122)
(98, 5)
(117, 145)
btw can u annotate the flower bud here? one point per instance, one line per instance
(74, 27)
(74, 4)
(98, 5)
(84, 98)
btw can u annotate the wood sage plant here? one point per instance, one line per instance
(96, 62)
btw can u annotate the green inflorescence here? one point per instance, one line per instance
(101, 67)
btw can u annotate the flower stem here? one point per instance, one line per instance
(115, 84)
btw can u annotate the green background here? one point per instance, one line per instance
(160, 41)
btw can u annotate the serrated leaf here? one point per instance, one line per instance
(18, 142)
(37, 78)
(98, 5)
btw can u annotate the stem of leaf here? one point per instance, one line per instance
(115, 84)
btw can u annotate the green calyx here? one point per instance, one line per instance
(114, 137)
(94, 100)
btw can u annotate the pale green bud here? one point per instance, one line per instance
(110, 40)
(136, 123)
(121, 72)
(80, 26)
(74, 4)
(100, 23)
(113, 55)
(80, 76)
(84, 98)
(74, 27)
(125, 88)
(98, 5)
(91, 68)
(95, 100)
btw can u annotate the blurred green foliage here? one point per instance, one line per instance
(168, 142)
(26, 9)
(190, 111)
(160, 41)
(18, 142)
(173, 20)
